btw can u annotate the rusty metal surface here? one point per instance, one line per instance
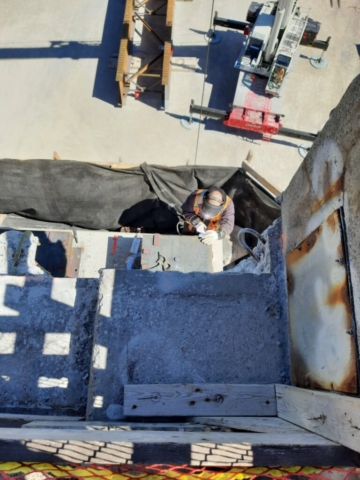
(323, 350)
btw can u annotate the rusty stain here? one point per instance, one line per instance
(336, 295)
(333, 224)
(340, 251)
(339, 295)
(334, 190)
(350, 382)
(304, 248)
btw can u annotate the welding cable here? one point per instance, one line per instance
(241, 237)
(205, 75)
(178, 225)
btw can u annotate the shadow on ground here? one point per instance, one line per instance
(105, 87)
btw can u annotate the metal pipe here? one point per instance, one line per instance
(289, 132)
(280, 11)
(288, 11)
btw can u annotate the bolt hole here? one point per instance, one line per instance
(192, 403)
(197, 390)
(267, 402)
(207, 400)
(134, 406)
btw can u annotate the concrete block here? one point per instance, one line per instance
(46, 328)
(169, 327)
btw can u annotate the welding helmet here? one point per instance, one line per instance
(213, 202)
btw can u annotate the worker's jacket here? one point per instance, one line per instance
(224, 219)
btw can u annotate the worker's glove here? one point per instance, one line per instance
(201, 227)
(196, 222)
(210, 237)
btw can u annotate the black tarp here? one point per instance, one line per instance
(149, 196)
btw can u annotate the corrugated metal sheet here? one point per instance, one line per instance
(323, 350)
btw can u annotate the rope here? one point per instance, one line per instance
(203, 90)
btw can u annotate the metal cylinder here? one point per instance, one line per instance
(280, 11)
(288, 11)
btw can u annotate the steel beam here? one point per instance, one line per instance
(321, 44)
(228, 23)
(289, 132)
(208, 112)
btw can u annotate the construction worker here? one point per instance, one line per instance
(210, 213)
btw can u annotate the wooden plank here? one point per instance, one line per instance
(170, 13)
(166, 66)
(201, 400)
(32, 418)
(177, 448)
(184, 427)
(332, 415)
(251, 424)
(249, 156)
(268, 185)
(123, 64)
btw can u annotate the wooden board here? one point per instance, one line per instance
(259, 178)
(251, 424)
(332, 415)
(32, 418)
(177, 448)
(200, 400)
(166, 66)
(128, 426)
(170, 13)
(123, 64)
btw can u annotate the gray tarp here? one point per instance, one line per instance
(148, 196)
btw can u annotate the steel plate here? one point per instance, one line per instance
(323, 350)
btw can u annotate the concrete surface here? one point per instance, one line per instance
(99, 249)
(58, 91)
(150, 327)
(46, 328)
(168, 327)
